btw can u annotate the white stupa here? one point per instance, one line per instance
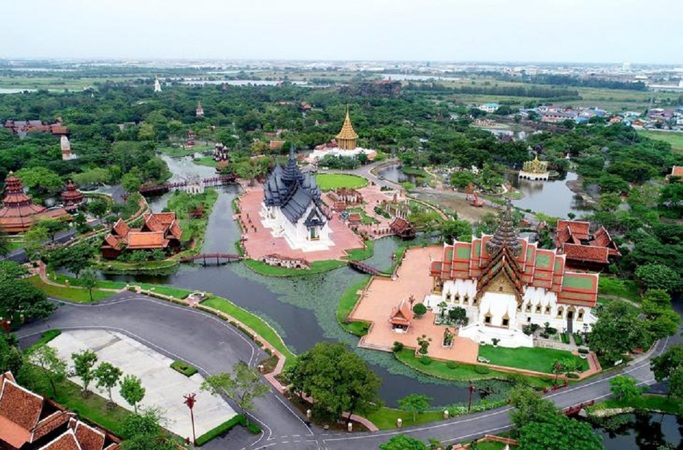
(157, 85)
(66, 148)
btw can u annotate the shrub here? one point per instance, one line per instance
(551, 330)
(578, 339)
(565, 337)
(481, 370)
(451, 365)
(583, 350)
(419, 309)
(545, 335)
(221, 429)
(426, 360)
(397, 347)
(184, 368)
(253, 428)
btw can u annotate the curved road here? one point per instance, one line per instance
(214, 346)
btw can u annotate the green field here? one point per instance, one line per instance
(536, 358)
(78, 295)
(673, 138)
(328, 181)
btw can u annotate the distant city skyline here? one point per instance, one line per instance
(541, 31)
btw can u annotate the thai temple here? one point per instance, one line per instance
(292, 208)
(344, 143)
(72, 197)
(19, 213)
(535, 170)
(200, 110)
(505, 282)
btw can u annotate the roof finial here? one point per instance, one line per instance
(292, 149)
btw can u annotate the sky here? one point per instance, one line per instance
(595, 31)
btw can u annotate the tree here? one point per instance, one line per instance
(529, 406)
(21, 297)
(665, 364)
(338, 379)
(11, 358)
(53, 368)
(458, 316)
(618, 331)
(462, 178)
(676, 383)
(98, 208)
(403, 442)
(131, 182)
(658, 276)
(34, 242)
(132, 391)
(558, 432)
(419, 309)
(52, 226)
(74, 258)
(243, 386)
(89, 280)
(84, 363)
(144, 432)
(456, 229)
(40, 180)
(624, 388)
(414, 404)
(107, 376)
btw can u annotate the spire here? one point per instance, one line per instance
(505, 235)
(291, 171)
(347, 136)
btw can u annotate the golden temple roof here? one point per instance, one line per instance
(347, 131)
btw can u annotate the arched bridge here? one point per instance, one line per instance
(365, 268)
(212, 258)
(213, 181)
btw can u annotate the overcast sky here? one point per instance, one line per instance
(637, 31)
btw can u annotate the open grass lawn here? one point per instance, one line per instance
(329, 181)
(536, 358)
(93, 408)
(206, 161)
(673, 138)
(359, 254)
(627, 289)
(67, 293)
(462, 372)
(345, 306)
(385, 418)
(647, 402)
(273, 271)
(364, 218)
(264, 330)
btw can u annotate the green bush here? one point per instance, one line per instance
(419, 309)
(397, 347)
(578, 339)
(565, 337)
(221, 429)
(184, 368)
(426, 360)
(482, 370)
(451, 365)
(253, 428)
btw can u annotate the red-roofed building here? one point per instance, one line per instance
(505, 282)
(401, 316)
(583, 249)
(19, 213)
(29, 421)
(677, 171)
(159, 231)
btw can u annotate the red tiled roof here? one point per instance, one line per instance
(50, 423)
(677, 171)
(20, 410)
(578, 228)
(586, 253)
(146, 240)
(65, 441)
(401, 314)
(88, 437)
(120, 228)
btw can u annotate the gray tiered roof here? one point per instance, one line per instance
(505, 235)
(293, 192)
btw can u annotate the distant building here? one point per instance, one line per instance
(489, 107)
(72, 197)
(22, 127)
(65, 146)
(157, 85)
(292, 208)
(346, 139)
(29, 421)
(677, 171)
(19, 213)
(200, 110)
(583, 249)
(345, 144)
(159, 231)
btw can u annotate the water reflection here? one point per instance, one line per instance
(549, 197)
(642, 432)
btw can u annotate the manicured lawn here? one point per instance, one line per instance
(345, 306)
(259, 326)
(362, 253)
(67, 293)
(535, 358)
(621, 288)
(184, 368)
(385, 418)
(673, 138)
(364, 218)
(206, 161)
(648, 402)
(461, 372)
(106, 284)
(165, 290)
(328, 181)
(273, 271)
(93, 408)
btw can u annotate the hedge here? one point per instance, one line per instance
(225, 427)
(184, 368)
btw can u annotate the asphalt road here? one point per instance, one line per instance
(214, 346)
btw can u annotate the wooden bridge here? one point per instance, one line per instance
(212, 258)
(365, 268)
(213, 181)
(574, 410)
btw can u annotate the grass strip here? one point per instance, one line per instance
(272, 271)
(345, 306)
(77, 295)
(184, 368)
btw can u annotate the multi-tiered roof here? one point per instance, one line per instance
(18, 212)
(346, 139)
(293, 192)
(523, 263)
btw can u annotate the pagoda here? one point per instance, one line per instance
(504, 283)
(65, 145)
(200, 110)
(72, 197)
(346, 139)
(18, 212)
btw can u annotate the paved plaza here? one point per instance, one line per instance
(260, 242)
(164, 386)
(383, 294)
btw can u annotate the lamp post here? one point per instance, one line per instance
(190, 400)
(469, 403)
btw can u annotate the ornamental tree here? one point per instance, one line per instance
(558, 432)
(657, 276)
(107, 376)
(419, 309)
(403, 442)
(84, 364)
(51, 365)
(414, 404)
(132, 390)
(624, 388)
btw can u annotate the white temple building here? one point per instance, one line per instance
(292, 208)
(504, 282)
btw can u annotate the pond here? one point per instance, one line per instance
(553, 197)
(302, 309)
(395, 174)
(642, 432)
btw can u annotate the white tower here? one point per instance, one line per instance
(66, 148)
(157, 85)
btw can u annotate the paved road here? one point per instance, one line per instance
(214, 346)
